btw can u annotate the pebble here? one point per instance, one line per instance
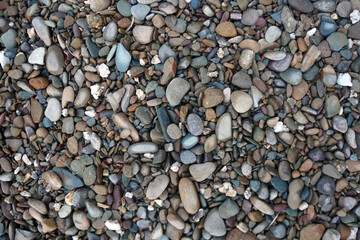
(304, 6)
(110, 32)
(187, 157)
(294, 197)
(332, 106)
(312, 231)
(157, 187)
(272, 34)
(51, 178)
(195, 124)
(189, 196)
(99, 5)
(202, 171)
(122, 58)
(241, 101)
(38, 205)
(292, 76)
(53, 110)
(69, 181)
(226, 29)
(214, 224)
(250, 17)
(142, 147)
(326, 185)
(42, 31)
(37, 56)
(176, 90)
(80, 220)
(223, 127)
(228, 209)
(143, 34)
(55, 60)
(140, 11)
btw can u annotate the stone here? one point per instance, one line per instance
(278, 230)
(99, 5)
(332, 106)
(81, 221)
(246, 58)
(52, 179)
(55, 60)
(140, 11)
(310, 57)
(261, 206)
(328, 76)
(304, 6)
(242, 80)
(189, 196)
(187, 157)
(331, 234)
(288, 20)
(142, 147)
(110, 32)
(176, 90)
(37, 56)
(294, 197)
(223, 128)
(39, 83)
(236, 234)
(340, 124)
(241, 101)
(326, 185)
(157, 187)
(272, 34)
(337, 41)
(344, 79)
(48, 225)
(165, 52)
(53, 110)
(325, 6)
(38, 205)
(36, 110)
(69, 181)
(312, 231)
(354, 31)
(124, 8)
(212, 97)
(202, 171)
(279, 184)
(316, 155)
(214, 224)
(195, 124)
(228, 209)
(226, 29)
(144, 114)
(292, 76)
(327, 26)
(143, 34)
(42, 30)
(174, 131)
(122, 58)
(250, 17)
(281, 65)
(299, 91)
(82, 98)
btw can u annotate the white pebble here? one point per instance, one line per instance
(280, 127)
(96, 90)
(355, 16)
(104, 70)
(344, 79)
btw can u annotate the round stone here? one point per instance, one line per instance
(241, 101)
(195, 124)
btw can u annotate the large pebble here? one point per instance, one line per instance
(55, 60)
(176, 90)
(122, 58)
(241, 101)
(223, 127)
(42, 30)
(294, 197)
(214, 224)
(143, 34)
(53, 110)
(157, 187)
(142, 147)
(189, 196)
(202, 171)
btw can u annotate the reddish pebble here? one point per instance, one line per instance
(261, 22)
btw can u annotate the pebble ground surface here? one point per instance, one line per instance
(179, 119)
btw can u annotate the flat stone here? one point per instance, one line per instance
(99, 5)
(241, 101)
(236, 234)
(110, 32)
(354, 31)
(214, 224)
(52, 179)
(310, 57)
(42, 30)
(189, 196)
(312, 231)
(281, 65)
(332, 106)
(316, 155)
(156, 188)
(262, 206)
(176, 90)
(55, 60)
(143, 34)
(223, 127)
(37, 56)
(337, 41)
(144, 114)
(292, 76)
(53, 110)
(228, 209)
(326, 185)
(38, 205)
(122, 58)
(212, 97)
(304, 6)
(81, 221)
(142, 147)
(250, 17)
(272, 34)
(294, 197)
(140, 11)
(124, 8)
(340, 124)
(82, 98)
(242, 80)
(202, 171)
(69, 180)
(246, 58)
(187, 157)
(195, 124)
(178, 24)
(226, 29)
(325, 6)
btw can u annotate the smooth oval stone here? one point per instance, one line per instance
(142, 147)
(281, 65)
(189, 141)
(223, 127)
(337, 41)
(327, 26)
(278, 230)
(143, 34)
(279, 184)
(272, 34)
(187, 157)
(332, 106)
(195, 124)
(262, 206)
(325, 6)
(55, 60)
(250, 17)
(38, 205)
(316, 155)
(340, 124)
(122, 58)
(228, 208)
(189, 196)
(124, 8)
(275, 55)
(82, 97)
(214, 224)
(241, 101)
(294, 197)
(176, 90)
(242, 80)
(9, 39)
(157, 187)
(110, 32)
(42, 30)
(326, 185)
(140, 11)
(53, 110)
(292, 76)
(202, 171)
